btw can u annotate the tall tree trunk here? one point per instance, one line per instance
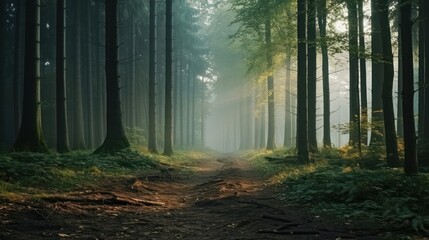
(400, 112)
(422, 44)
(99, 90)
(132, 98)
(62, 128)
(115, 138)
(388, 113)
(410, 158)
(355, 139)
(3, 142)
(79, 135)
(362, 65)
(312, 76)
(288, 112)
(89, 80)
(424, 137)
(270, 85)
(322, 14)
(152, 88)
(17, 66)
(30, 136)
(377, 130)
(302, 143)
(168, 145)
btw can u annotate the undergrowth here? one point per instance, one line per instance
(35, 172)
(350, 187)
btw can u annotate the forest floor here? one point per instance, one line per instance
(222, 198)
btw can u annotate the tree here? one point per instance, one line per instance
(30, 136)
(152, 62)
(168, 134)
(377, 130)
(115, 139)
(388, 113)
(302, 143)
(355, 138)
(78, 131)
(362, 68)
(61, 102)
(322, 15)
(270, 85)
(410, 155)
(312, 76)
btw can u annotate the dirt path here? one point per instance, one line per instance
(224, 199)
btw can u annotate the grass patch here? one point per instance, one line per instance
(352, 188)
(36, 173)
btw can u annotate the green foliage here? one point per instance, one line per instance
(383, 193)
(35, 172)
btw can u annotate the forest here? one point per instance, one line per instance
(214, 119)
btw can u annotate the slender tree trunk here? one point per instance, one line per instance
(363, 87)
(355, 139)
(257, 122)
(89, 68)
(17, 66)
(288, 116)
(377, 130)
(152, 88)
(3, 142)
(133, 109)
(422, 44)
(425, 138)
(79, 136)
(30, 136)
(115, 138)
(312, 76)
(410, 156)
(168, 145)
(99, 90)
(322, 14)
(400, 119)
(388, 113)
(302, 143)
(62, 128)
(270, 85)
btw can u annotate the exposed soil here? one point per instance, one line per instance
(224, 199)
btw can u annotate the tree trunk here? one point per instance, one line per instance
(312, 76)
(17, 66)
(30, 136)
(270, 85)
(363, 87)
(322, 14)
(89, 79)
(132, 98)
(422, 44)
(62, 130)
(410, 158)
(288, 110)
(115, 139)
(99, 90)
(354, 118)
(152, 66)
(3, 142)
(388, 113)
(377, 131)
(78, 132)
(302, 143)
(400, 112)
(168, 145)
